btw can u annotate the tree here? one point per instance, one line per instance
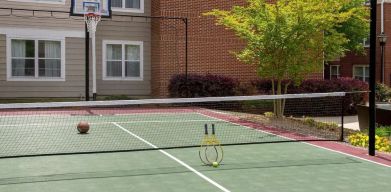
(290, 39)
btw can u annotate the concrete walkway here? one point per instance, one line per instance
(350, 122)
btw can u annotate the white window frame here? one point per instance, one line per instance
(130, 10)
(60, 2)
(36, 59)
(122, 43)
(361, 66)
(339, 72)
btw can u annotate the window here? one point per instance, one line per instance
(334, 72)
(366, 42)
(136, 6)
(35, 59)
(361, 72)
(123, 60)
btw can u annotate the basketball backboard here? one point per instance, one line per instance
(81, 7)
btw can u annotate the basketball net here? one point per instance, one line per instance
(92, 21)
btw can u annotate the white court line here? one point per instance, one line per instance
(175, 159)
(332, 150)
(103, 123)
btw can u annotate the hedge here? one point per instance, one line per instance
(202, 86)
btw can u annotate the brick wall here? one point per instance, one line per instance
(209, 45)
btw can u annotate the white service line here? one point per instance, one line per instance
(320, 147)
(175, 159)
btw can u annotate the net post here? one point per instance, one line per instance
(372, 80)
(342, 137)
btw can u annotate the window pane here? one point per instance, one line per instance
(23, 67)
(23, 48)
(135, 4)
(132, 52)
(116, 3)
(358, 71)
(49, 49)
(50, 68)
(334, 70)
(132, 69)
(366, 71)
(367, 42)
(114, 52)
(114, 69)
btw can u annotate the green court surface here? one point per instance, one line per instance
(260, 167)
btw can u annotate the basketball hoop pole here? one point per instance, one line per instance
(93, 67)
(92, 21)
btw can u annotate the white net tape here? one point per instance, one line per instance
(92, 21)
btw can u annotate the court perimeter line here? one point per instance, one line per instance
(175, 159)
(314, 145)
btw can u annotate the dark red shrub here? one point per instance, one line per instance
(202, 86)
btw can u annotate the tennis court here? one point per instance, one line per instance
(150, 149)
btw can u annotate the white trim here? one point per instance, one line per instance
(362, 66)
(129, 10)
(59, 2)
(39, 33)
(123, 43)
(174, 158)
(36, 78)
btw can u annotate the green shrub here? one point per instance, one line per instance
(383, 93)
(384, 131)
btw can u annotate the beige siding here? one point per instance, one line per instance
(124, 31)
(73, 86)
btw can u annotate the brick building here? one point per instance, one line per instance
(210, 46)
(357, 66)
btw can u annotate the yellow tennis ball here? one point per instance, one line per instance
(215, 164)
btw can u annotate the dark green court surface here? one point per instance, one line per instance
(267, 167)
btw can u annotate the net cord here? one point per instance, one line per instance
(165, 101)
(92, 21)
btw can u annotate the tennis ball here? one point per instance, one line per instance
(83, 127)
(215, 164)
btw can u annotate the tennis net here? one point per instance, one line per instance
(41, 129)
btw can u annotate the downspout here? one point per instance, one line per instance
(382, 16)
(382, 75)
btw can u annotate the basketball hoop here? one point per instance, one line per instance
(92, 20)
